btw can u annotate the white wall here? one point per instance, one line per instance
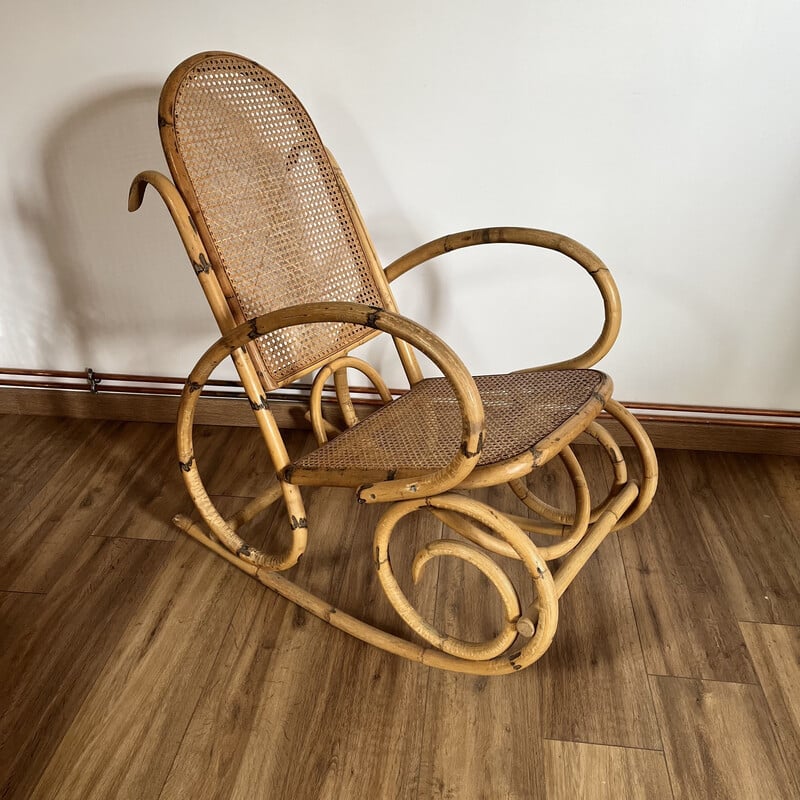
(664, 135)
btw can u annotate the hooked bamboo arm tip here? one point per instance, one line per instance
(136, 192)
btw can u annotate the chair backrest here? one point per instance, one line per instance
(268, 206)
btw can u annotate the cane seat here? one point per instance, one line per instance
(420, 431)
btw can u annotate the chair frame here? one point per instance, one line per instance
(525, 634)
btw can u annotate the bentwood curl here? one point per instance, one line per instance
(490, 655)
(338, 368)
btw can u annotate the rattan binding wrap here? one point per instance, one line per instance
(421, 430)
(251, 165)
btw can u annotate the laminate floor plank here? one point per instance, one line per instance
(683, 613)
(775, 650)
(46, 534)
(33, 449)
(783, 474)
(482, 736)
(597, 772)
(593, 679)
(754, 546)
(594, 685)
(30, 441)
(18, 614)
(283, 676)
(49, 663)
(341, 719)
(719, 741)
(235, 461)
(124, 737)
(143, 508)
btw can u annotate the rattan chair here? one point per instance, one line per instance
(293, 280)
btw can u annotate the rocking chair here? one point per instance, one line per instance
(294, 283)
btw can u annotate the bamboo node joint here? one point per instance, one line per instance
(201, 265)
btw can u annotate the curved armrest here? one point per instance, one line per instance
(469, 400)
(179, 212)
(552, 241)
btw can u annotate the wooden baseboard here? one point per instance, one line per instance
(707, 434)
(701, 433)
(140, 407)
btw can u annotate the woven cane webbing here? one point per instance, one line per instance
(269, 198)
(422, 429)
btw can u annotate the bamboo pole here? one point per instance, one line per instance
(536, 238)
(251, 381)
(255, 507)
(647, 457)
(338, 368)
(577, 559)
(562, 517)
(404, 350)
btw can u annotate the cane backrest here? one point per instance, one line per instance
(268, 206)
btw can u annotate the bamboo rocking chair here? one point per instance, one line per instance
(292, 278)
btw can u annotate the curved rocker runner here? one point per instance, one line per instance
(284, 259)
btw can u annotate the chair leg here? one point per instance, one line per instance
(577, 559)
(647, 482)
(647, 456)
(559, 517)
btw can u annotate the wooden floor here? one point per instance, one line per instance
(135, 664)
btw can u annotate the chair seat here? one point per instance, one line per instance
(421, 431)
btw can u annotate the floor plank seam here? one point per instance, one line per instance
(232, 496)
(669, 773)
(638, 633)
(603, 744)
(130, 538)
(705, 680)
(428, 679)
(777, 624)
